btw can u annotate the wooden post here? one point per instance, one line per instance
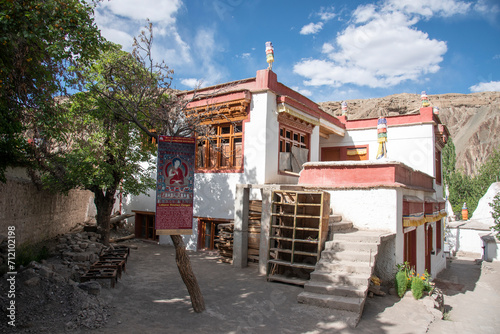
(240, 233)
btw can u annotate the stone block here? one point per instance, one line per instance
(81, 257)
(91, 287)
(34, 281)
(61, 247)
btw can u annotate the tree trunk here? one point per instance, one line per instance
(104, 204)
(184, 266)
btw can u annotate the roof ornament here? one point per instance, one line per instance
(382, 137)
(344, 108)
(425, 99)
(269, 55)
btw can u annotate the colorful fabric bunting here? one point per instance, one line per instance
(269, 55)
(382, 137)
(344, 108)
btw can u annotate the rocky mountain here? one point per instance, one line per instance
(472, 119)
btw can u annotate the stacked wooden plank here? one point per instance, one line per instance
(224, 242)
(254, 215)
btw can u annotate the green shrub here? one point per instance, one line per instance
(31, 252)
(401, 283)
(417, 287)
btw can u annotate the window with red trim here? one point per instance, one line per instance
(221, 150)
(289, 138)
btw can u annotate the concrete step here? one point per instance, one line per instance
(358, 236)
(352, 304)
(336, 289)
(352, 256)
(344, 267)
(334, 218)
(345, 245)
(342, 226)
(340, 278)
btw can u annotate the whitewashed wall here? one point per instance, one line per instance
(412, 145)
(374, 209)
(382, 209)
(465, 240)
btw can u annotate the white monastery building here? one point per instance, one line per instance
(269, 139)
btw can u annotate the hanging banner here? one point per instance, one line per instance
(174, 185)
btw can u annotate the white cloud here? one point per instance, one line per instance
(305, 92)
(163, 11)
(445, 8)
(207, 52)
(245, 55)
(191, 82)
(327, 48)
(492, 86)
(488, 10)
(380, 48)
(326, 14)
(122, 20)
(311, 28)
(364, 13)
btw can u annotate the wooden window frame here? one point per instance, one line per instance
(290, 136)
(343, 151)
(202, 231)
(214, 155)
(296, 138)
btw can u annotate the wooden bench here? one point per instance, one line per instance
(119, 265)
(122, 248)
(114, 255)
(100, 273)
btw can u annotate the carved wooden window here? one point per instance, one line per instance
(223, 150)
(294, 149)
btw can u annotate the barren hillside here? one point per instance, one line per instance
(472, 119)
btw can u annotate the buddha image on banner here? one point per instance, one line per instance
(175, 184)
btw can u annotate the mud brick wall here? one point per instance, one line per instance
(39, 215)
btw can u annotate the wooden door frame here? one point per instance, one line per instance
(429, 230)
(410, 246)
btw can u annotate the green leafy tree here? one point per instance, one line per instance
(495, 205)
(468, 188)
(449, 158)
(39, 41)
(87, 146)
(136, 91)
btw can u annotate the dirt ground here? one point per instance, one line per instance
(151, 298)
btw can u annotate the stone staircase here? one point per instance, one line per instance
(341, 278)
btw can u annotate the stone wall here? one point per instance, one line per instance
(39, 215)
(385, 266)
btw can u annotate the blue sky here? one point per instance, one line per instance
(327, 50)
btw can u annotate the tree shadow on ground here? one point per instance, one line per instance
(152, 298)
(461, 275)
